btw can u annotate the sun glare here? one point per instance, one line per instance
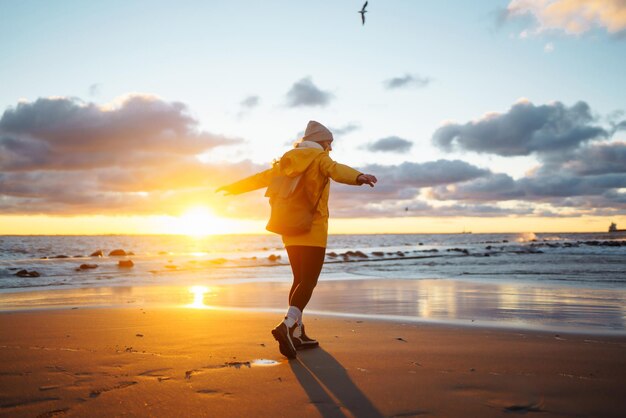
(198, 296)
(198, 221)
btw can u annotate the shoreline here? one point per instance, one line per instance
(470, 304)
(265, 233)
(155, 361)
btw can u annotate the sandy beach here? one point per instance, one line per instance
(156, 361)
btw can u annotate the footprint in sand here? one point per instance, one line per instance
(121, 385)
(410, 414)
(189, 373)
(155, 372)
(25, 402)
(524, 408)
(48, 387)
(213, 392)
(54, 413)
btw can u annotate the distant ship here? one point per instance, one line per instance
(613, 228)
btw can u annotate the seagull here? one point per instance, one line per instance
(363, 11)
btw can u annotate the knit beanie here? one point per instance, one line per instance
(317, 132)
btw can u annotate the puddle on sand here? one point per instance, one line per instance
(248, 364)
(264, 362)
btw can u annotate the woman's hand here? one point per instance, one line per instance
(224, 189)
(366, 179)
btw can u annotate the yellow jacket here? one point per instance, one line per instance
(292, 164)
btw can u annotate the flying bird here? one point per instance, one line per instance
(363, 11)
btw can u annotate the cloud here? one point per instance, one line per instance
(64, 156)
(408, 80)
(620, 126)
(250, 102)
(94, 89)
(399, 186)
(166, 189)
(419, 208)
(404, 181)
(344, 130)
(524, 130)
(574, 17)
(495, 187)
(66, 134)
(588, 179)
(247, 105)
(390, 144)
(558, 189)
(599, 159)
(429, 173)
(549, 47)
(138, 156)
(305, 93)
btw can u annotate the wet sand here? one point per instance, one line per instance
(157, 361)
(488, 304)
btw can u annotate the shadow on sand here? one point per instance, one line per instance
(329, 387)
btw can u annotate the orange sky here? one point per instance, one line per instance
(206, 224)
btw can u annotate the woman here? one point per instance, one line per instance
(306, 251)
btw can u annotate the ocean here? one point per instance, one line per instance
(549, 281)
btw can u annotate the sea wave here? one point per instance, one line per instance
(591, 259)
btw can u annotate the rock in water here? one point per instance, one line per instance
(97, 253)
(26, 273)
(88, 266)
(125, 263)
(118, 252)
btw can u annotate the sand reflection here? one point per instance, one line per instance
(198, 293)
(524, 305)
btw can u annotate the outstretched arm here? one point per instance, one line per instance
(342, 173)
(256, 181)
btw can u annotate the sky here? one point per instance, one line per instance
(486, 116)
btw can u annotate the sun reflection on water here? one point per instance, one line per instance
(199, 293)
(199, 253)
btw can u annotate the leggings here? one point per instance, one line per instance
(306, 265)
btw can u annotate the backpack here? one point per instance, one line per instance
(291, 209)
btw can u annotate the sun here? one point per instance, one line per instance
(198, 221)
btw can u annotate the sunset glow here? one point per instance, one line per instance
(198, 221)
(198, 296)
(140, 146)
